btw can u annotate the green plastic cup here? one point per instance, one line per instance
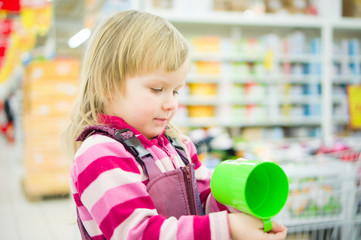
(253, 187)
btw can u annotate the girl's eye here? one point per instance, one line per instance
(157, 90)
(175, 92)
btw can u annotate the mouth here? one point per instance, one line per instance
(164, 119)
(161, 119)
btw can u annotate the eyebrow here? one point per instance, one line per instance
(158, 80)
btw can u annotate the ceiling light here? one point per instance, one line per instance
(79, 38)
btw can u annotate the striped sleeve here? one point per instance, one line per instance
(109, 190)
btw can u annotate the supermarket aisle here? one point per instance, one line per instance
(21, 219)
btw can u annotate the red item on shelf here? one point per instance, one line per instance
(6, 26)
(8, 131)
(10, 5)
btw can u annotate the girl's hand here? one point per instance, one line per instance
(246, 227)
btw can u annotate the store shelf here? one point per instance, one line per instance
(244, 100)
(347, 79)
(341, 120)
(346, 58)
(269, 79)
(347, 23)
(255, 122)
(235, 18)
(305, 58)
(346, 68)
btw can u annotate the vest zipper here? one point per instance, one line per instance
(189, 189)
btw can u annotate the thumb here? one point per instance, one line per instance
(276, 227)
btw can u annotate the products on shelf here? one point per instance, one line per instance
(346, 74)
(249, 78)
(314, 197)
(347, 57)
(292, 6)
(254, 6)
(49, 91)
(20, 23)
(351, 8)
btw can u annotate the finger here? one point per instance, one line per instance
(276, 235)
(280, 235)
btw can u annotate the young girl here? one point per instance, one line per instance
(133, 68)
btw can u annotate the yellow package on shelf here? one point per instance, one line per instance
(203, 89)
(208, 67)
(201, 111)
(207, 44)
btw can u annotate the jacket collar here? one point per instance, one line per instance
(119, 123)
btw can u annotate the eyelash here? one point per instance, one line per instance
(159, 90)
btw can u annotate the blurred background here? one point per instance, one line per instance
(273, 80)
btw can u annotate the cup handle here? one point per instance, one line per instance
(267, 224)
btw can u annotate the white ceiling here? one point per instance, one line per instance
(68, 20)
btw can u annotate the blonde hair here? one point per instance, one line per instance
(124, 45)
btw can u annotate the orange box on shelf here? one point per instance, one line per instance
(52, 109)
(46, 183)
(40, 161)
(44, 124)
(59, 68)
(59, 88)
(44, 144)
(201, 111)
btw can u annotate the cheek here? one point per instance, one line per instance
(147, 104)
(174, 112)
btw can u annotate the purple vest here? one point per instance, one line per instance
(174, 193)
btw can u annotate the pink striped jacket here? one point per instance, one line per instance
(109, 190)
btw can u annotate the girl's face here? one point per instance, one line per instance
(150, 100)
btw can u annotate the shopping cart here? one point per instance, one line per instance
(325, 197)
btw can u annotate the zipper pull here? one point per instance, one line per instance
(188, 174)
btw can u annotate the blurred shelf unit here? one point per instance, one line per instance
(346, 64)
(49, 91)
(246, 73)
(266, 70)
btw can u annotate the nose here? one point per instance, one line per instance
(170, 102)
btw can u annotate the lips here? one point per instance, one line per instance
(161, 119)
